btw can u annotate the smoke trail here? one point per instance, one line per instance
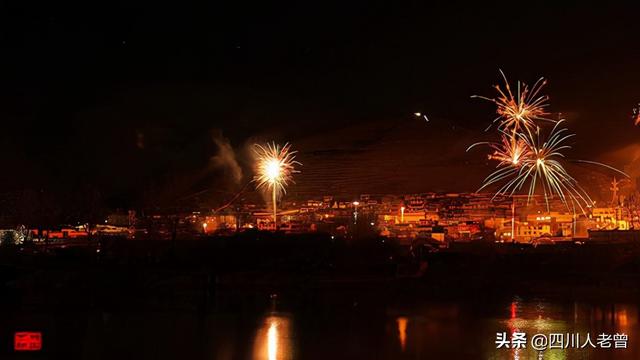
(226, 158)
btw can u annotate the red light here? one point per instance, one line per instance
(27, 341)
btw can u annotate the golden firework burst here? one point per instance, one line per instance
(275, 166)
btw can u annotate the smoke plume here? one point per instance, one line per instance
(226, 158)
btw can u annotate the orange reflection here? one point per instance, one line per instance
(402, 331)
(272, 342)
(625, 316)
(623, 319)
(273, 339)
(513, 325)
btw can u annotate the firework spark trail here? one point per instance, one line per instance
(506, 151)
(540, 166)
(275, 167)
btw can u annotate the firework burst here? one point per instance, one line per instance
(540, 166)
(275, 167)
(507, 152)
(527, 159)
(519, 110)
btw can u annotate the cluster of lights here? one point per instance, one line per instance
(543, 218)
(524, 155)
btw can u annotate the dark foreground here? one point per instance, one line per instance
(275, 297)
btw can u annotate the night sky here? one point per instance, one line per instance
(134, 101)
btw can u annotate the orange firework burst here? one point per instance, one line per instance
(542, 165)
(520, 109)
(275, 167)
(526, 158)
(509, 151)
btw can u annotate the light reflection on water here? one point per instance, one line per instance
(463, 332)
(273, 339)
(312, 329)
(449, 331)
(402, 331)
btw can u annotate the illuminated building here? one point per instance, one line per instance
(213, 223)
(609, 218)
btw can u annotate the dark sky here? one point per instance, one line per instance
(126, 98)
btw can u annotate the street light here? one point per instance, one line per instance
(402, 215)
